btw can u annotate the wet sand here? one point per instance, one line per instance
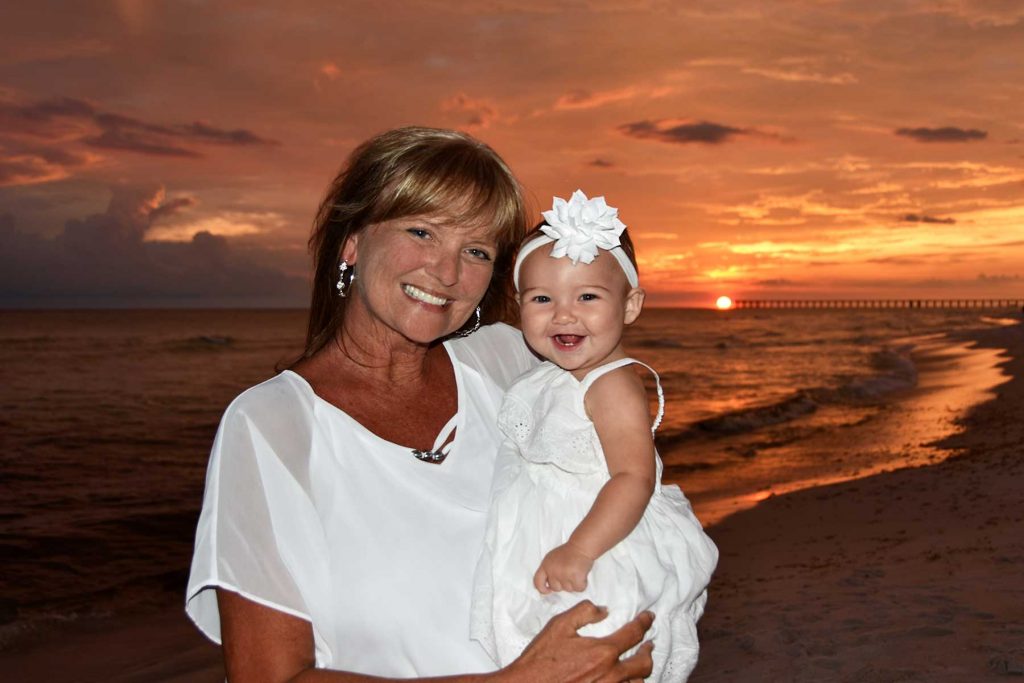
(906, 575)
(910, 575)
(162, 647)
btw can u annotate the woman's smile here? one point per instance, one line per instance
(414, 292)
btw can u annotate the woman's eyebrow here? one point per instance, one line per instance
(429, 220)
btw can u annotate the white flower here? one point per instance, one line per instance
(580, 226)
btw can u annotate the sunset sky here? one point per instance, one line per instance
(173, 153)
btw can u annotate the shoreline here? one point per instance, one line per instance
(953, 375)
(904, 575)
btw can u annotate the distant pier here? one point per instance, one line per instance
(995, 304)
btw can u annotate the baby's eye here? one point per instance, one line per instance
(589, 296)
(541, 299)
(479, 253)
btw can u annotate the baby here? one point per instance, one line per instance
(577, 509)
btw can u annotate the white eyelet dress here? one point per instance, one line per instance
(550, 469)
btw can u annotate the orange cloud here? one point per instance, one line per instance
(802, 76)
(585, 99)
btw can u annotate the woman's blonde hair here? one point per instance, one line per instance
(408, 172)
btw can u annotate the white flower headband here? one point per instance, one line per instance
(578, 228)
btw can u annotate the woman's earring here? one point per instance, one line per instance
(342, 286)
(476, 325)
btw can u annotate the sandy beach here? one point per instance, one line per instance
(906, 575)
(910, 575)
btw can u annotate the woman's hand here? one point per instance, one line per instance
(563, 569)
(561, 655)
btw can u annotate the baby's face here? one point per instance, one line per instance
(573, 315)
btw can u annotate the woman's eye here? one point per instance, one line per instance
(480, 254)
(418, 232)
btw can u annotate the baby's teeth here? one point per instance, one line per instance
(420, 295)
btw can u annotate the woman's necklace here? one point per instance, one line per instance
(435, 457)
(438, 453)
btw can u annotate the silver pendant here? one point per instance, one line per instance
(433, 457)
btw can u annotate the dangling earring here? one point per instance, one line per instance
(342, 286)
(476, 325)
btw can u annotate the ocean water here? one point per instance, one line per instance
(107, 418)
(761, 402)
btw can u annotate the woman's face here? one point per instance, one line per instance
(421, 276)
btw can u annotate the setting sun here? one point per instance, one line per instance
(723, 303)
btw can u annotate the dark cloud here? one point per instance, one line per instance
(104, 259)
(946, 134)
(923, 218)
(42, 119)
(203, 132)
(778, 282)
(601, 163)
(171, 207)
(23, 164)
(899, 260)
(67, 120)
(703, 132)
(110, 121)
(477, 113)
(999, 278)
(128, 141)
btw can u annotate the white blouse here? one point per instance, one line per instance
(311, 514)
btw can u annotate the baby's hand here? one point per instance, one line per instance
(563, 569)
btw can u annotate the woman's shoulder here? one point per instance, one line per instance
(497, 351)
(495, 333)
(286, 392)
(271, 427)
(275, 418)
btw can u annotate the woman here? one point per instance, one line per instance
(346, 497)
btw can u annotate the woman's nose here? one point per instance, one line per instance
(446, 268)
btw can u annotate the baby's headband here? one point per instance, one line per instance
(577, 228)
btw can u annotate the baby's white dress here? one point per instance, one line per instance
(550, 469)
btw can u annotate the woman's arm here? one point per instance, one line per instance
(617, 404)
(263, 645)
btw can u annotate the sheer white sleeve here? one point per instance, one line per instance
(501, 352)
(258, 533)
